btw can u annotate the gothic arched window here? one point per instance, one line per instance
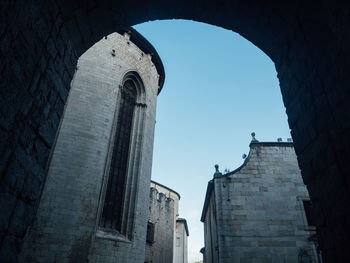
(112, 213)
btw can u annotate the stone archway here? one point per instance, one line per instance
(308, 42)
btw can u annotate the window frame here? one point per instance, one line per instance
(133, 163)
(150, 233)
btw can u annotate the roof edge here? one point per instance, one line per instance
(246, 160)
(259, 144)
(183, 220)
(271, 144)
(167, 188)
(207, 198)
(147, 48)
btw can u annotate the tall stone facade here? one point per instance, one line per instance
(113, 95)
(170, 193)
(256, 213)
(165, 228)
(160, 234)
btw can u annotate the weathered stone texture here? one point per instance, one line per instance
(210, 231)
(33, 94)
(66, 222)
(161, 214)
(173, 195)
(256, 214)
(181, 242)
(308, 41)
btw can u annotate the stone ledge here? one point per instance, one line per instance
(112, 236)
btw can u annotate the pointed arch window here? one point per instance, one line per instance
(113, 212)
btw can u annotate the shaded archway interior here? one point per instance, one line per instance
(308, 43)
(293, 37)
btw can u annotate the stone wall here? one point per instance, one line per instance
(210, 228)
(259, 210)
(173, 195)
(161, 214)
(181, 242)
(308, 41)
(66, 225)
(37, 63)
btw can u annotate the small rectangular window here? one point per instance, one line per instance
(309, 213)
(150, 233)
(177, 241)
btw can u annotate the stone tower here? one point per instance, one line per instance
(93, 205)
(160, 230)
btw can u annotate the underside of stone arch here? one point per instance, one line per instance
(308, 41)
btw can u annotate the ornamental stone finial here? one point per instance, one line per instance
(217, 172)
(216, 168)
(253, 137)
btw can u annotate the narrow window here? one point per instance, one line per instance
(308, 212)
(111, 217)
(177, 241)
(150, 233)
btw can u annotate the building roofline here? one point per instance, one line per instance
(252, 144)
(272, 144)
(183, 220)
(147, 48)
(207, 198)
(167, 188)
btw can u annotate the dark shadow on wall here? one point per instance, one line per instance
(308, 41)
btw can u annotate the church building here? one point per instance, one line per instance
(260, 212)
(94, 202)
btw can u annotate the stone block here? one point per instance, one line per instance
(9, 249)
(7, 203)
(23, 214)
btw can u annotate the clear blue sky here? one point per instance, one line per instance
(218, 88)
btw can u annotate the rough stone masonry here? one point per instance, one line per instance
(161, 217)
(256, 213)
(40, 42)
(66, 227)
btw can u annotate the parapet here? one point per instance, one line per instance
(155, 195)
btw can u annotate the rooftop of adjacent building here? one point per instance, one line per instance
(183, 221)
(165, 187)
(253, 144)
